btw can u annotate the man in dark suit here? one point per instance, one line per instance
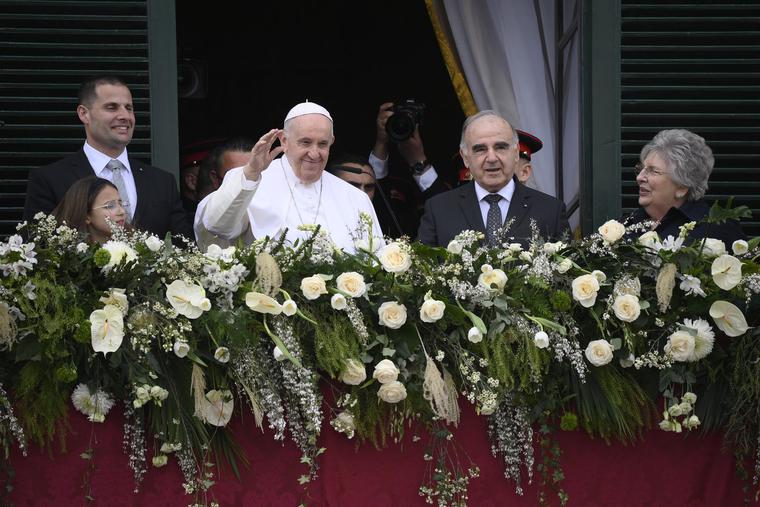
(496, 199)
(150, 195)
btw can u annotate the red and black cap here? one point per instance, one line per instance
(529, 144)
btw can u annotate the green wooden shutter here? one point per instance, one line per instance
(47, 48)
(694, 65)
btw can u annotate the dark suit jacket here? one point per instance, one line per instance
(452, 212)
(159, 207)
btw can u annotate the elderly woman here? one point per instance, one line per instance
(672, 178)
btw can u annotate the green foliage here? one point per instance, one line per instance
(611, 404)
(41, 402)
(335, 341)
(561, 301)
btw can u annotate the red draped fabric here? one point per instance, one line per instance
(664, 469)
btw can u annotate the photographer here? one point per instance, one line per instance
(412, 151)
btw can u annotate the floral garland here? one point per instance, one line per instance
(558, 334)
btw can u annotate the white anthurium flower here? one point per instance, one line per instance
(289, 307)
(728, 318)
(218, 407)
(187, 299)
(338, 302)
(262, 303)
(541, 339)
(740, 247)
(107, 329)
(181, 348)
(222, 354)
(726, 271)
(455, 247)
(474, 335)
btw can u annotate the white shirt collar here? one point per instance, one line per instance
(506, 192)
(98, 160)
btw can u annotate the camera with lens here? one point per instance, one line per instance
(406, 116)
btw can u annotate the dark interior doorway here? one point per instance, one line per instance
(256, 60)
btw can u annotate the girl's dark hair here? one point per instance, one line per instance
(78, 201)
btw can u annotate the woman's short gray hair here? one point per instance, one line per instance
(689, 158)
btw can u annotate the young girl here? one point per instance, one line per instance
(89, 205)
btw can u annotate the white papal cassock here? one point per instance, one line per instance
(279, 200)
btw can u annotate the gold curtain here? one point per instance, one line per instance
(448, 51)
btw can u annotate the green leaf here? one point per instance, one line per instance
(388, 352)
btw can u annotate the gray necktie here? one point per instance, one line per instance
(493, 219)
(116, 168)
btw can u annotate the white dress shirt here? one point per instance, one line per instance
(506, 192)
(279, 200)
(98, 162)
(424, 180)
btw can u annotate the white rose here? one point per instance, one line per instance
(585, 289)
(494, 279)
(385, 371)
(278, 354)
(313, 287)
(222, 354)
(392, 392)
(432, 310)
(740, 247)
(392, 314)
(599, 352)
(541, 339)
(107, 329)
(187, 299)
(262, 303)
(181, 348)
(611, 231)
(338, 302)
(474, 335)
(728, 318)
(455, 247)
(680, 345)
(713, 247)
(153, 243)
(394, 258)
(289, 307)
(564, 266)
(726, 271)
(627, 307)
(649, 239)
(352, 283)
(353, 372)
